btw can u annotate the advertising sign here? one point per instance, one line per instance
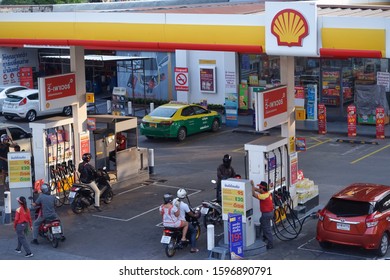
(91, 124)
(57, 91)
(19, 169)
(84, 143)
(380, 122)
(243, 101)
(294, 168)
(207, 78)
(231, 110)
(351, 111)
(90, 97)
(181, 79)
(291, 28)
(383, 79)
(300, 144)
(271, 108)
(321, 118)
(26, 77)
(236, 244)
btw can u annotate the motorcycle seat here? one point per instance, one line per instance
(174, 228)
(50, 220)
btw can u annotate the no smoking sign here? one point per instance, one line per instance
(181, 78)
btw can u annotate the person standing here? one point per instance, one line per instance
(266, 209)
(22, 224)
(4, 150)
(224, 171)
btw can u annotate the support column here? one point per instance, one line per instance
(287, 68)
(77, 66)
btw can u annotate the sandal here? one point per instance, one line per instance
(184, 240)
(196, 250)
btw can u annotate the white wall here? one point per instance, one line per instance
(225, 63)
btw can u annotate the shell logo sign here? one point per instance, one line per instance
(289, 27)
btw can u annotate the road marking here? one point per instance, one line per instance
(370, 154)
(196, 191)
(301, 247)
(319, 143)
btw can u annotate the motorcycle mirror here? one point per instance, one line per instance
(213, 181)
(104, 168)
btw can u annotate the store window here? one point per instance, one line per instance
(259, 70)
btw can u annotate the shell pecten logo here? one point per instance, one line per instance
(289, 27)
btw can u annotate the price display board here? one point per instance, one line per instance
(19, 169)
(236, 197)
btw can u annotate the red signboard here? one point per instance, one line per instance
(275, 102)
(300, 92)
(321, 118)
(380, 122)
(60, 86)
(351, 110)
(26, 77)
(181, 79)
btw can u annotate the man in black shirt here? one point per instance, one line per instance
(88, 176)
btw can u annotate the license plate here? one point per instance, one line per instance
(72, 194)
(342, 226)
(56, 229)
(165, 239)
(204, 210)
(153, 125)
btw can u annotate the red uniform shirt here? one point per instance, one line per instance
(266, 203)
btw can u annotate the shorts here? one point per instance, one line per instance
(4, 165)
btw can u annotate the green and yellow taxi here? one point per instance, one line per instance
(177, 120)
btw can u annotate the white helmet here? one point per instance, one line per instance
(181, 193)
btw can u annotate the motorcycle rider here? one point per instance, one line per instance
(224, 171)
(185, 209)
(170, 214)
(47, 204)
(88, 175)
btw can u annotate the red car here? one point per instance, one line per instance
(358, 215)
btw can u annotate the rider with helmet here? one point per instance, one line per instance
(185, 209)
(224, 171)
(47, 203)
(170, 214)
(88, 175)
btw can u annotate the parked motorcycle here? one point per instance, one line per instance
(81, 195)
(171, 237)
(211, 211)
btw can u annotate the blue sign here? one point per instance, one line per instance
(310, 111)
(236, 243)
(231, 110)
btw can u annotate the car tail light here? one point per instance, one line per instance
(23, 102)
(371, 220)
(166, 123)
(321, 215)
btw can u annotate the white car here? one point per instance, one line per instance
(25, 104)
(18, 136)
(6, 90)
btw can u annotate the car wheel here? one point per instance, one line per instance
(67, 111)
(181, 134)
(215, 126)
(325, 244)
(31, 116)
(8, 117)
(383, 246)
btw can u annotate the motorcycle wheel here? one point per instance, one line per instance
(76, 205)
(108, 197)
(170, 249)
(52, 239)
(210, 218)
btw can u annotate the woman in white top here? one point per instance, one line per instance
(170, 214)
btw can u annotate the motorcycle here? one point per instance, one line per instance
(81, 195)
(171, 237)
(50, 229)
(211, 211)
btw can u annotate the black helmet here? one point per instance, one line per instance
(227, 160)
(87, 157)
(168, 198)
